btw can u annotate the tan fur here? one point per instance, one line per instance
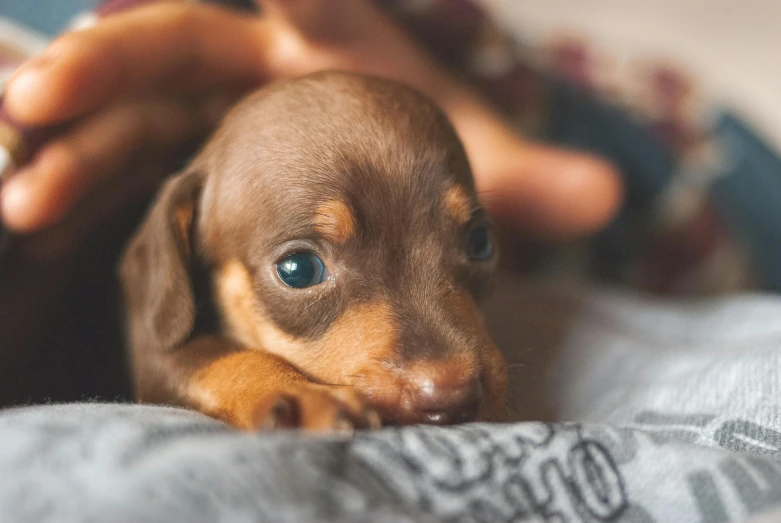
(229, 388)
(351, 351)
(362, 336)
(240, 306)
(242, 388)
(458, 204)
(334, 220)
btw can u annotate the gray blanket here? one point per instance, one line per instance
(677, 408)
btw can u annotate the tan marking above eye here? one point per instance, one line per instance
(334, 220)
(458, 204)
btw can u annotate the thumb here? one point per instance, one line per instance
(552, 193)
(321, 20)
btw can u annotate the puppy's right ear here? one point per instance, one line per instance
(155, 269)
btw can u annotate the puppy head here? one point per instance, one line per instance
(341, 221)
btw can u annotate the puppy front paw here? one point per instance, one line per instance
(317, 408)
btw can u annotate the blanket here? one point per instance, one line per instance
(681, 423)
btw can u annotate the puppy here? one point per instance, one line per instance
(332, 227)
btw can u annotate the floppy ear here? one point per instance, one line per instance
(155, 269)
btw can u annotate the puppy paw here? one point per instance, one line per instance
(316, 408)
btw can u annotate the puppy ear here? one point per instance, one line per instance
(155, 269)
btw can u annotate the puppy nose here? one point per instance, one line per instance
(447, 402)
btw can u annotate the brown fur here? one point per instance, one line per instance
(370, 176)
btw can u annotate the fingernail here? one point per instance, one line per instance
(23, 92)
(16, 199)
(29, 72)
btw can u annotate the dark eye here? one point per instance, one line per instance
(301, 270)
(479, 245)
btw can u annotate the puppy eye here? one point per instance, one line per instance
(479, 246)
(301, 270)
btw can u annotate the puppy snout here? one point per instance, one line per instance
(447, 402)
(434, 392)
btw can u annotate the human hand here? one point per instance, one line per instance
(151, 79)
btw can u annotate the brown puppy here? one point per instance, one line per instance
(332, 224)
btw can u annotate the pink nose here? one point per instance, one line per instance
(435, 392)
(446, 403)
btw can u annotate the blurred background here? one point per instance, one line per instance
(732, 46)
(46, 16)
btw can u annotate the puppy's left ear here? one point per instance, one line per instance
(155, 269)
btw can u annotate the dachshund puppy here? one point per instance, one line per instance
(332, 226)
